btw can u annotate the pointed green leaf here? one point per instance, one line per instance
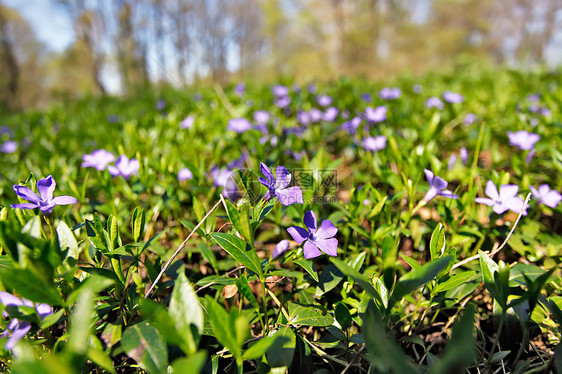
(308, 315)
(437, 243)
(186, 312)
(240, 250)
(138, 222)
(143, 343)
(308, 266)
(455, 280)
(67, 241)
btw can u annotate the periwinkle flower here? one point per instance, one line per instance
(366, 97)
(112, 118)
(316, 239)
(437, 187)
(523, 139)
(505, 199)
(311, 88)
(390, 93)
(546, 196)
(375, 115)
(434, 102)
(45, 200)
(464, 155)
(283, 102)
(16, 327)
(161, 104)
(240, 88)
(278, 186)
(352, 125)
(530, 156)
(452, 161)
(323, 100)
(187, 122)
(6, 130)
(418, 88)
(453, 97)
(280, 91)
(330, 114)
(303, 117)
(315, 115)
(374, 144)
(239, 125)
(9, 146)
(469, 119)
(97, 159)
(280, 248)
(124, 167)
(261, 117)
(184, 174)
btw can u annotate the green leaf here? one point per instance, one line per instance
(208, 255)
(308, 266)
(417, 278)
(240, 219)
(330, 277)
(343, 316)
(154, 237)
(240, 250)
(186, 312)
(361, 280)
(489, 270)
(143, 343)
(308, 315)
(190, 365)
(138, 222)
(67, 241)
(113, 232)
(460, 351)
(259, 348)
(280, 353)
(199, 209)
(223, 326)
(80, 323)
(30, 286)
(383, 353)
(410, 261)
(455, 280)
(244, 288)
(437, 243)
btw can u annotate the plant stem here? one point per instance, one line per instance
(264, 306)
(497, 339)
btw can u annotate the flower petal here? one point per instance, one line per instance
(265, 182)
(64, 200)
(439, 183)
(267, 173)
(27, 194)
(280, 248)
(515, 205)
(282, 177)
(326, 230)
(328, 246)
(25, 206)
(310, 250)
(43, 310)
(298, 233)
(508, 191)
(47, 209)
(9, 299)
(46, 187)
(310, 221)
(485, 200)
(492, 191)
(501, 208)
(19, 332)
(448, 194)
(289, 195)
(428, 176)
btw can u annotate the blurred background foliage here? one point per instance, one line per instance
(131, 45)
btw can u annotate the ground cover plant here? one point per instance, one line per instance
(348, 226)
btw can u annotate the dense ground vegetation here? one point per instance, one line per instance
(287, 228)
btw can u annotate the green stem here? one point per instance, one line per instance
(265, 322)
(497, 339)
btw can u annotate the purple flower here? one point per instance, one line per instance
(505, 200)
(112, 118)
(187, 122)
(239, 125)
(16, 327)
(303, 117)
(374, 144)
(464, 155)
(546, 196)
(261, 117)
(124, 167)
(184, 174)
(390, 93)
(418, 88)
(6, 130)
(453, 97)
(97, 159)
(452, 161)
(530, 156)
(330, 114)
(282, 102)
(315, 115)
(366, 97)
(240, 88)
(523, 139)
(315, 239)
(161, 104)
(469, 119)
(44, 201)
(280, 248)
(9, 146)
(437, 187)
(239, 162)
(375, 115)
(434, 102)
(323, 100)
(277, 186)
(220, 176)
(280, 91)
(352, 125)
